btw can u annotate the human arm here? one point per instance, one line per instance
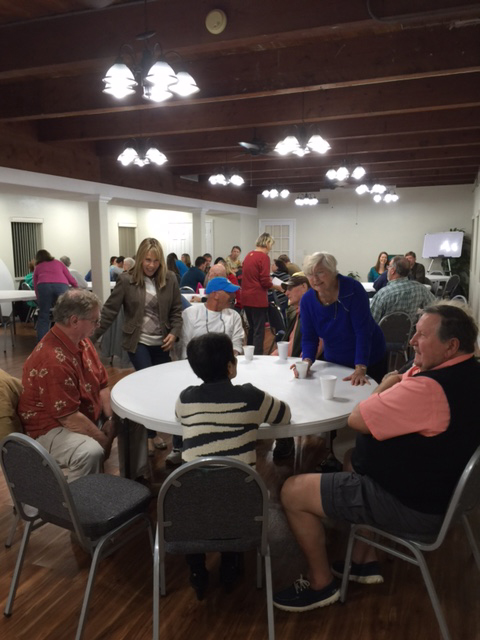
(187, 329)
(238, 333)
(310, 328)
(175, 317)
(362, 326)
(402, 405)
(70, 279)
(275, 411)
(377, 307)
(79, 423)
(263, 267)
(110, 309)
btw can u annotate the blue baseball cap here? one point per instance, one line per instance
(221, 284)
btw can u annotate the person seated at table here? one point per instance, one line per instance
(233, 259)
(379, 268)
(337, 309)
(116, 269)
(295, 287)
(82, 283)
(401, 294)
(292, 268)
(128, 264)
(417, 432)
(65, 389)
(185, 265)
(195, 275)
(219, 418)
(417, 270)
(172, 266)
(226, 274)
(10, 390)
(208, 257)
(380, 282)
(279, 270)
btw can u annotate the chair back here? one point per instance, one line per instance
(451, 285)
(465, 498)
(435, 273)
(186, 290)
(460, 298)
(396, 328)
(276, 321)
(213, 504)
(24, 286)
(34, 479)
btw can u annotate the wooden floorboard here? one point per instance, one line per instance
(49, 597)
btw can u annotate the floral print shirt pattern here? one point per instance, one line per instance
(60, 378)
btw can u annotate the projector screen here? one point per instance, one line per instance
(443, 245)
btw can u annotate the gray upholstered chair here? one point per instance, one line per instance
(212, 504)
(465, 498)
(103, 511)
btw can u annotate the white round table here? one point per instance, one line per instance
(148, 396)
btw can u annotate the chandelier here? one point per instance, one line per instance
(379, 191)
(226, 177)
(275, 193)
(343, 173)
(150, 71)
(141, 154)
(300, 143)
(307, 199)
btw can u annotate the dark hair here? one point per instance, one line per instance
(120, 258)
(284, 258)
(171, 266)
(235, 246)
(112, 259)
(199, 261)
(187, 260)
(209, 355)
(401, 266)
(455, 322)
(411, 253)
(219, 259)
(207, 255)
(281, 266)
(377, 264)
(43, 256)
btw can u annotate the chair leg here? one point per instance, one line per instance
(259, 569)
(18, 568)
(471, 540)
(432, 593)
(347, 565)
(268, 584)
(11, 535)
(156, 591)
(89, 588)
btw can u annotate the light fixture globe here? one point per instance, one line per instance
(342, 173)
(358, 173)
(318, 144)
(119, 81)
(236, 180)
(284, 193)
(186, 85)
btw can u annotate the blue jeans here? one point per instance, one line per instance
(145, 357)
(47, 294)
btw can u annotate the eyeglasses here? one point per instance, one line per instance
(95, 321)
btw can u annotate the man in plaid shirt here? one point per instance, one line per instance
(400, 294)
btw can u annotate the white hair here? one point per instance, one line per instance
(323, 258)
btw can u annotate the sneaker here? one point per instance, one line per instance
(300, 597)
(284, 448)
(174, 457)
(199, 582)
(368, 573)
(329, 465)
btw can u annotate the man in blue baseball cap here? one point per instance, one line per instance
(214, 316)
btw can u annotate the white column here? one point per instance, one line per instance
(198, 229)
(99, 254)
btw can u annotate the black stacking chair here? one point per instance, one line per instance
(465, 498)
(277, 324)
(103, 511)
(212, 504)
(397, 329)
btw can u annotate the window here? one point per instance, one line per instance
(26, 241)
(127, 245)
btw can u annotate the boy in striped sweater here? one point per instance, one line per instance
(222, 419)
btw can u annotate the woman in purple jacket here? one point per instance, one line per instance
(51, 278)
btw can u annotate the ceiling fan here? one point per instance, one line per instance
(256, 146)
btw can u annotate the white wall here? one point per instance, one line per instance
(355, 229)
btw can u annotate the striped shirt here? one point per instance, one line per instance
(401, 295)
(222, 419)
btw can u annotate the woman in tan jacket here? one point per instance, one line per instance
(151, 301)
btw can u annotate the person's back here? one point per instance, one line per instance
(221, 419)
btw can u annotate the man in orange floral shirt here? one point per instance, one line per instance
(65, 394)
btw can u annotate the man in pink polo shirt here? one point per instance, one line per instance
(417, 432)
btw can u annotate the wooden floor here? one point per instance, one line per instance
(55, 570)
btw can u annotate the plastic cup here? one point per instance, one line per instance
(282, 350)
(328, 386)
(302, 368)
(248, 351)
(201, 292)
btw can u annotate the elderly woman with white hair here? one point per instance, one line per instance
(337, 310)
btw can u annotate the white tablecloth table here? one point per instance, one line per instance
(17, 295)
(148, 396)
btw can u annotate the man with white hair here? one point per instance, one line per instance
(65, 389)
(128, 264)
(82, 283)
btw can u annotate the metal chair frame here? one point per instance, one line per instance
(98, 548)
(464, 499)
(202, 520)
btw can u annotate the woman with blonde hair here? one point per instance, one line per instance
(256, 282)
(150, 297)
